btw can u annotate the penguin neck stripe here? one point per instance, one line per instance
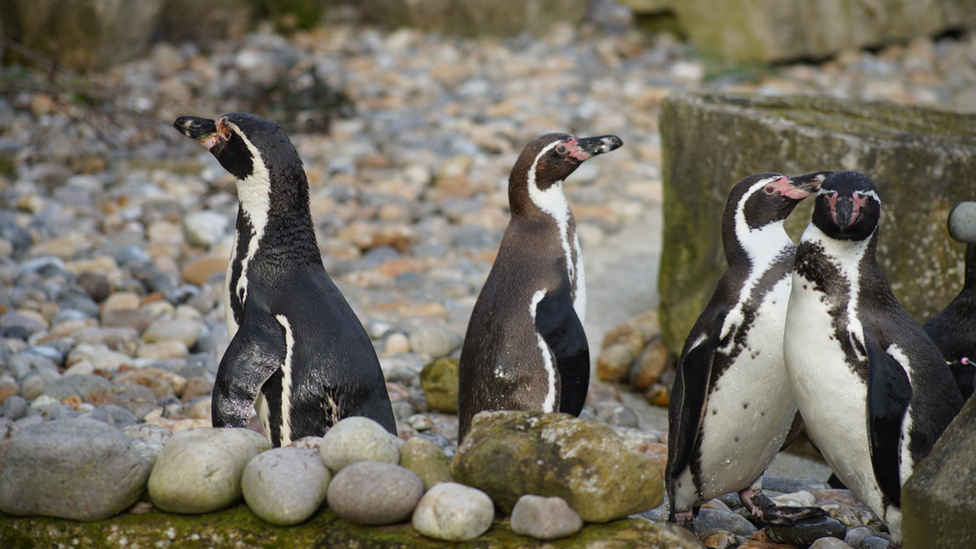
(549, 404)
(285, 428)
(552, 202)
(254, 194)
(763, 245)
(846, 256)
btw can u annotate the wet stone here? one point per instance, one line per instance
(711, 520)
(806, 531)
(427, 460)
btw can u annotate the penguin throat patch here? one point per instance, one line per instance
(553, 203)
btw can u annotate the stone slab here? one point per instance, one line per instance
(777, 30)
(922, 161)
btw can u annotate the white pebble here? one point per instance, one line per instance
(358, 439)
(453, 512)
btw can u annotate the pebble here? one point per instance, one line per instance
(200, 470)
(544, 518)
(453, 512)
(806, 532)
(829, 543)
(358, 439)
(148, 440)
(433, 342)
(427, 460)
(374, 493)
(79, 469)
(285, 486)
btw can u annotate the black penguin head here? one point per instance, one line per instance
(848, 206)
(765, 198)
(242, 142)
(547, 161)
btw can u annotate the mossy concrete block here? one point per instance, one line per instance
(508, 454)
(83, 34)
(922, 161)
(239, 527)
(939, 499)
(475, 17)
(776, 30)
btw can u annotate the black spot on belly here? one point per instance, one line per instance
(745, 405)
(714, 412)
(762, 413)
(737, 438)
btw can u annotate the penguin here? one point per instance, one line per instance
(298, 353)
(873, 389)
(953, 330)
(731, 409)
(524, 347)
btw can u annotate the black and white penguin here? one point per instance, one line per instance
(525, 348)
(954, 328)
(298, 353)
(873, 389)
(731, 409)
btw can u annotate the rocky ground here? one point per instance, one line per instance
(114, 229)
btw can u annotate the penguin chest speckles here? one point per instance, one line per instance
(829, 391)
(746, 422)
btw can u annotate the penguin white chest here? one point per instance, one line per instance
(750, 408)
(830, 395)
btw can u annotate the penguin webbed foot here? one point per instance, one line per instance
(768, 513)
(685, 519)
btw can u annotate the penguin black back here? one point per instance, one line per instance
(298, 353)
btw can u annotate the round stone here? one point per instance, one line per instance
(434, 342)
(358, 439)
(805, 532)
(199, 470)
(453, 512)
(427, 461)
(374, 492)
(285, 485)
(148, 440)
(544, 518)
(79, 469)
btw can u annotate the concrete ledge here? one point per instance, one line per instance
(923, 161)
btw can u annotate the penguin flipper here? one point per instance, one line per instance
(689, 395)
(889, 393)
(250, 359)
(561, 329)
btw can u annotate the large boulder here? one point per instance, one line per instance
(774, 30)
(473, 17)
(82, 34)
(922, 161)
(509, 454)
(939, 499)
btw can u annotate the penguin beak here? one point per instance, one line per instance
(844, 210)
(202, 130)
(802, 186)
(588, 147)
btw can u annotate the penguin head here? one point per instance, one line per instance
(848, 206)
(256, 151)
(547, 161)
(765, 198)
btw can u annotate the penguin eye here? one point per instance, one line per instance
(561, 149)
(769, 189)
(224, 133)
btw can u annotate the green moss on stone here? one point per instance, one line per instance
(239, 528)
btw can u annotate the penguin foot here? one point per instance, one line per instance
(685, 519)
(768, 513)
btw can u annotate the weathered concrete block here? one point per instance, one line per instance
(473, 17)
(939, 499)
(921, 160)
(770, 30)
(82, 34)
